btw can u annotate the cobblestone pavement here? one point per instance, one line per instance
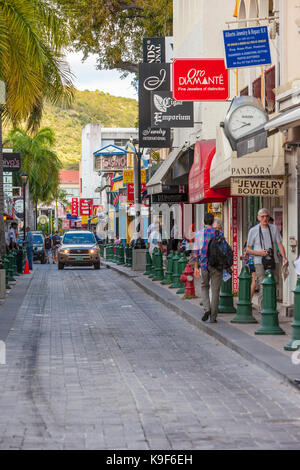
(93, 362)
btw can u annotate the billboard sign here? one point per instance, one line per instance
(11, 161)
(167, 112)
(200, 80)
(247, 47)
(86, 206)
(152, 77)
(74, 207)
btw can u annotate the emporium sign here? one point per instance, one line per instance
(200, 80)
(257, 187)
(167, 112)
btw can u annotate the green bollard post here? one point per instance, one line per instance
(130, 256)
(181, 265)
(226, 297)
(126, 255)
(152, 274)
(294, 344)
(121, 254)
(15, 263)
(159, 269)
(244, 305)
(148, 263)
(175, 276)
(269, 314)
(10, 268)
(115, 258)
(6, 265)
(169, 270)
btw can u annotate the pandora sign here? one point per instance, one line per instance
(200, 80)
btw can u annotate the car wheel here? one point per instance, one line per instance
(60, 265)
(97, 265)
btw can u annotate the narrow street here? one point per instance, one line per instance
(95, 363)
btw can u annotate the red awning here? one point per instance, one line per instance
(199, 177)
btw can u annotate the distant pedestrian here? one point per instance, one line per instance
(29, 247)
(261, 243)
(56, 242)
(155, 240)
(96, 235)
(11, 237)
(47, 248)
(117, 240)
(211, 278)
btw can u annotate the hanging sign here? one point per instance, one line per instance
(86, 206)
(128, 176)
(11, 161)
(167, 112)
(130, 191)
(152, 77)
(257, 187)
(247, 47)
(235, 246)
(75, 206)
(200, 80)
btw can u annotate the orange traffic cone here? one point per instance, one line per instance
(26, 270)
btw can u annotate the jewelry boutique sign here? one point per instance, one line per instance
(257, 187)
(152, 78)
(167, 112)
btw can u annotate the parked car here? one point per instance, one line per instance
(38, 247)
(78, 248)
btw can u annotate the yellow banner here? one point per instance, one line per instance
(84, 219)
(128, 176)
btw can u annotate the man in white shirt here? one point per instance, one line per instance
(11, 238)
(261, 239)
(154, 240)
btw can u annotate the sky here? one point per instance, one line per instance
(87, 77)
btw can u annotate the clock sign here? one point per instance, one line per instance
(244, 116)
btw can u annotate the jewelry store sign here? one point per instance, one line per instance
(273, 187)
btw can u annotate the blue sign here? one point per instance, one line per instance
(247, 47)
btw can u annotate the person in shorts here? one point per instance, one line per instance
(47, 248)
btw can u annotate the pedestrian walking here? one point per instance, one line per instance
(47, 247)
(56, 241)
(11, 237)
(211, 274)
(155, 240)
(29, 247)
(261, 243)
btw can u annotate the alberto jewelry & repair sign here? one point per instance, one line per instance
(272, 187)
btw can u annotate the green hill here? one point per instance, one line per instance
(88, 107)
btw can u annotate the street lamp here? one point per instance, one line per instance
(137, 155)
(24, 178)
(2, 103)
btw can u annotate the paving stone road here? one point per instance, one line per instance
(95, 363)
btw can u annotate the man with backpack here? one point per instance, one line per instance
(213, 255)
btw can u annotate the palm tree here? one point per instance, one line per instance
(38, 161)
(32, 39)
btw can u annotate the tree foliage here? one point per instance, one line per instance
(38, 161)
(113, 29)
(32, 39)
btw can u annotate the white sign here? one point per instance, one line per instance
(19, 206)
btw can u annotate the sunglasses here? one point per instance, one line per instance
(264, 216)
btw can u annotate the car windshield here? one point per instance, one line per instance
(37, 239)
(78, 239)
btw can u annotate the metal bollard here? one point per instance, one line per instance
(6, 266)
(269, 314)
(152, 274)
(148, 263)
(130, 256)
(294, 344)
(226, 297)
(169, 270)
(121, 255)
(181, 268)
(19, 260)
(175, 276)
(14, 253)
(244, 305)
(10, 268)
(159, 270)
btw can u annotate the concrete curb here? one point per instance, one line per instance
(250, 348)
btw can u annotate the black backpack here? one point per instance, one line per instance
(219, 253)
(47, 243)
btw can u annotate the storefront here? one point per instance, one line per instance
(255, 180)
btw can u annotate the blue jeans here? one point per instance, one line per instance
(29, 251)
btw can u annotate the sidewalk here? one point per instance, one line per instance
(10, 305)
(265, 351)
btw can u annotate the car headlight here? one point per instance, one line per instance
(92, 250)
(66, 252)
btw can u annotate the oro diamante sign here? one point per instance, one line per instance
(200, 80)
(257, 187)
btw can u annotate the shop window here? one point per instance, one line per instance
(256, 88)
(270, 85)
(244, 91)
